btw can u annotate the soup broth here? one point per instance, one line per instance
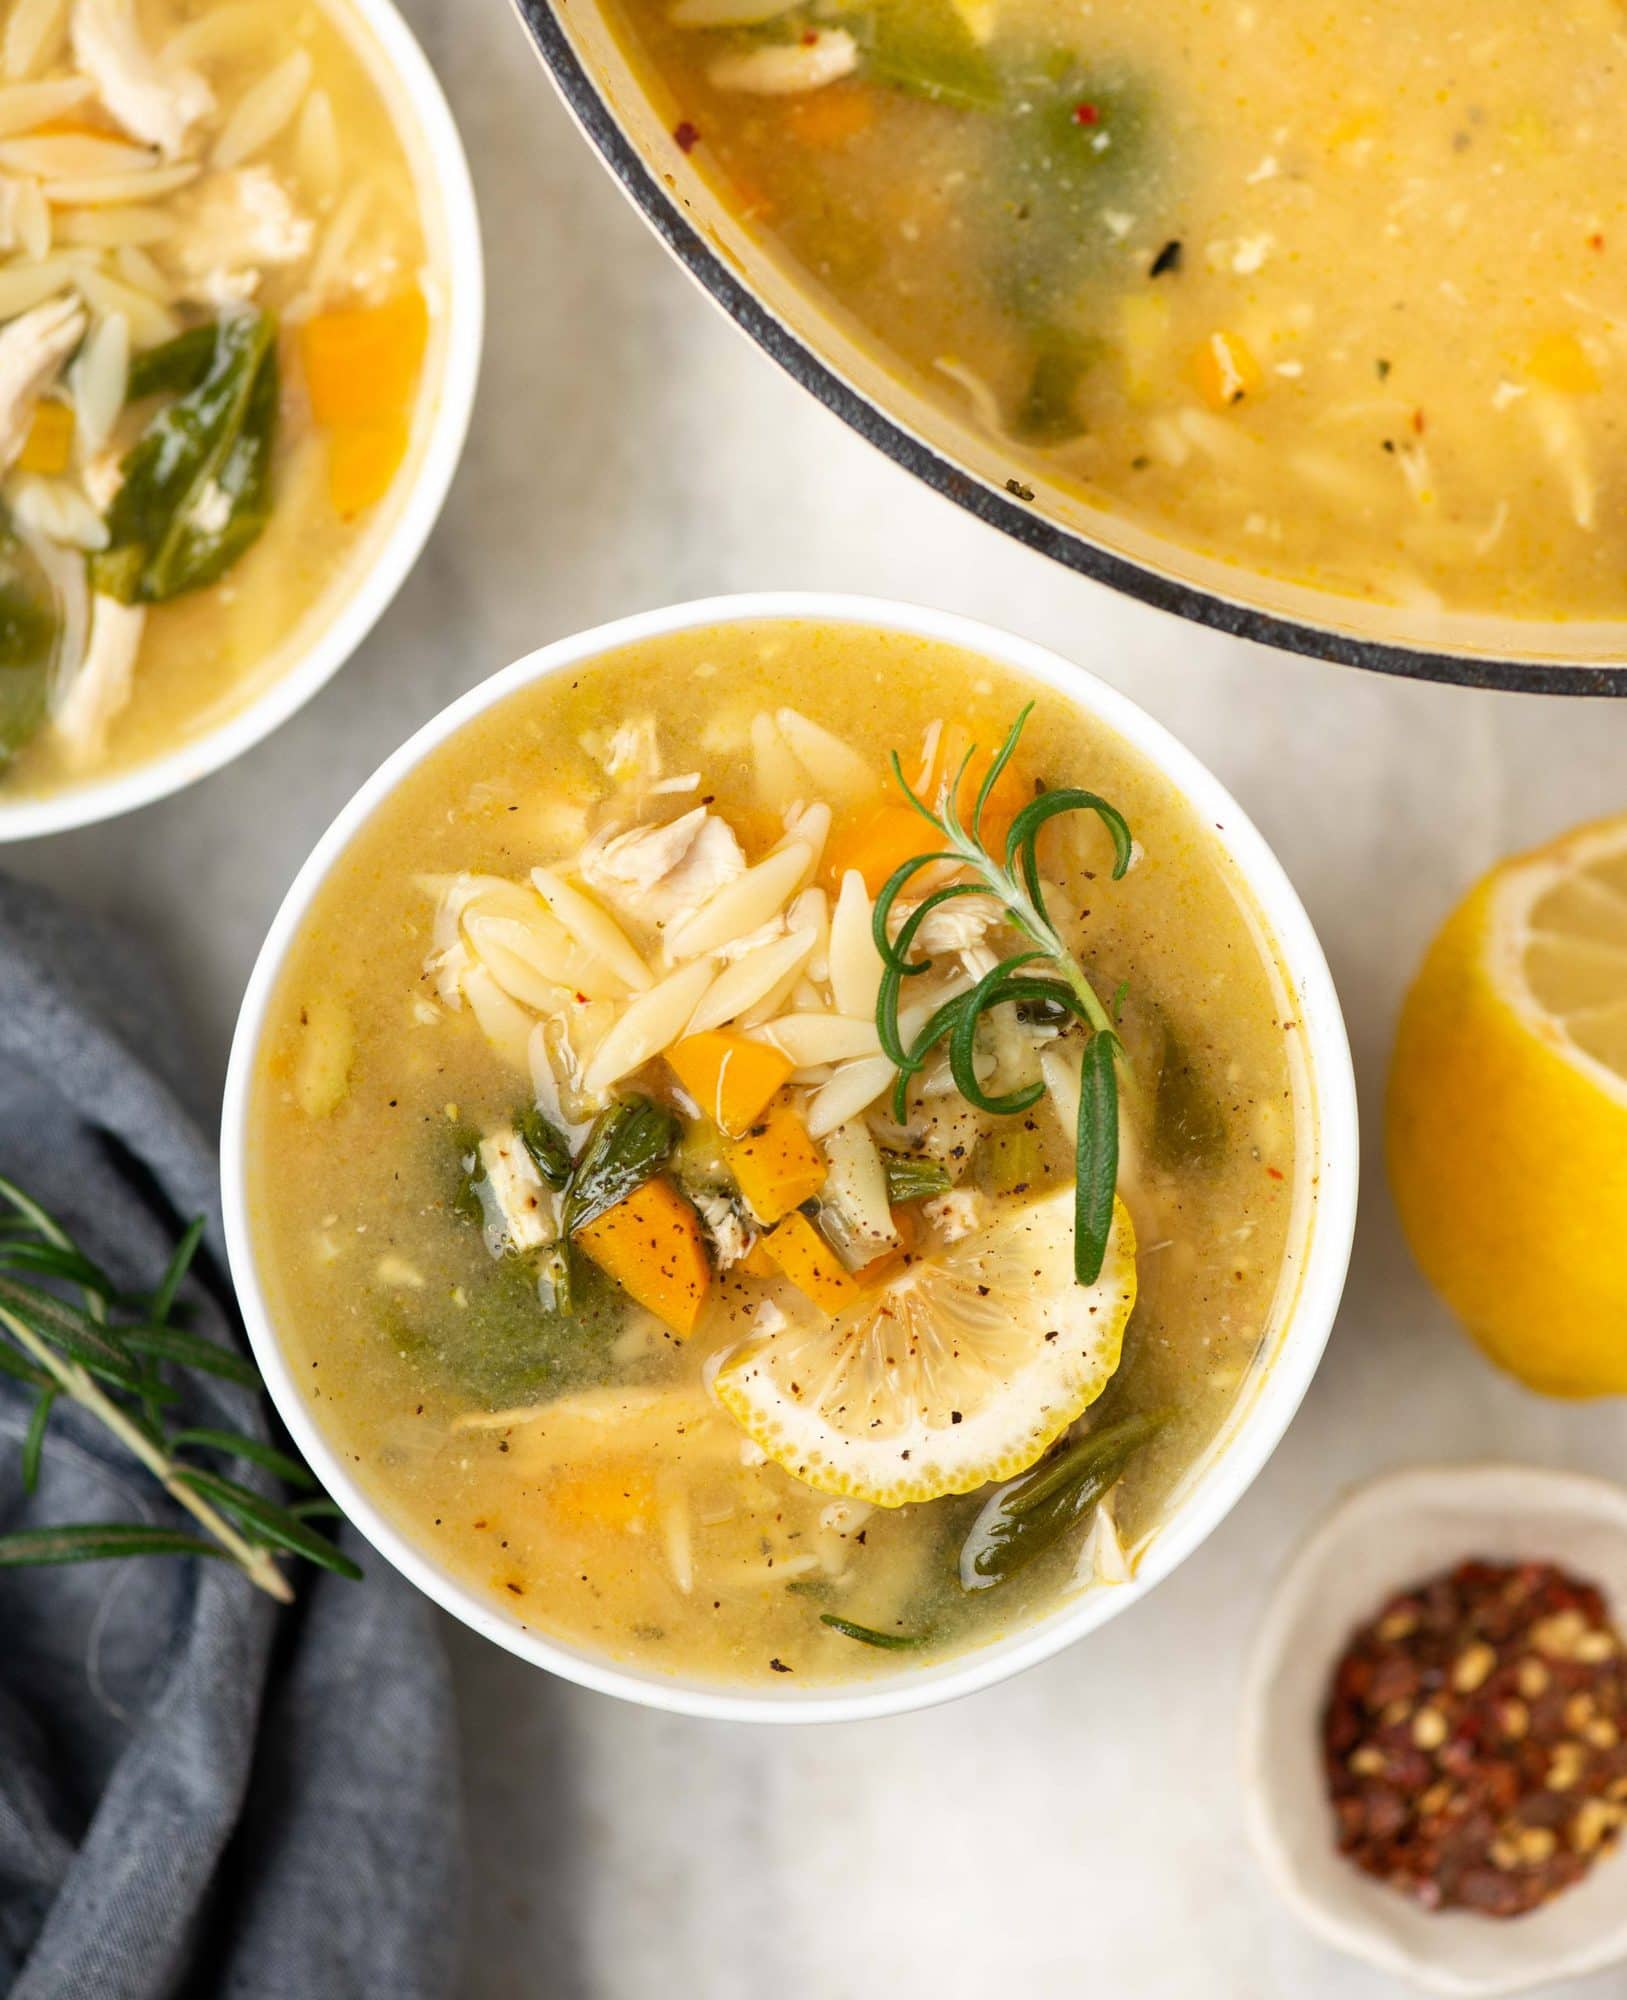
(691, 1468)
(1336, 294)
(217, 239)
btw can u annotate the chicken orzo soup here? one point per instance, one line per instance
(214, 318)
(1335, 294)
(734, 1240)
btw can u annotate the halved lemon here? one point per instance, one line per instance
(961, 1371)
(1508, 1113)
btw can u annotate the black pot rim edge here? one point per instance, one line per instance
(665, 215)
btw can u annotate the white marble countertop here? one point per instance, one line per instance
(1077, 1830)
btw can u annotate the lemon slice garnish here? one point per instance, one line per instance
(959, 1372)
(1508, 1113)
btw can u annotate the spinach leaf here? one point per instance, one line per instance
(505, 1346)
(174, 368)
(28, 636)
(1030, 1514)
(196, 488)
(628, 1144)
(925, 48)
(549, 1148)
(1049, 410)
(910, 1178)
(1188, 1123)
(1069, 144)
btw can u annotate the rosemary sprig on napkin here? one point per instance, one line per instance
(1013, 879)
(67, 1330)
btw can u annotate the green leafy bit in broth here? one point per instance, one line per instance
(740, 1244)
(195, 488)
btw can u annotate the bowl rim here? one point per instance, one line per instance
(1308, 1322)
(659, 204)
(424, 113)
(1440, 1488)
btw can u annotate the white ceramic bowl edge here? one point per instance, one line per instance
(452, 225)
(1282, 1385)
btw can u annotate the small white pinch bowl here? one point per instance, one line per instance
(327, 635)
(1397, 1531)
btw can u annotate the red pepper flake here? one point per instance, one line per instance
(1473, 1738)
(686, 136)
(1595, 241)
(810, 40)
(1086, 114)
(1418, 421)
(1275, 1173)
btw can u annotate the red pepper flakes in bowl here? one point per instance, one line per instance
(1473, 1738)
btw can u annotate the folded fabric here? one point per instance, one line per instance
(201, 1792)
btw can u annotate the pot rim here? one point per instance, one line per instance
(665, 214)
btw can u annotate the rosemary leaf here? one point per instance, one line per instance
(265, 1518)
(1095, 1159)
(250, 1450)
(172, 1343)
(34, 1442)
(163, 1300)
(892, 1642)
(98, 1541)
(1064, 989)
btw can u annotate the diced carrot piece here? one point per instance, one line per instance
(811, 1264)
(833, 116)
(731, 1077)
(897, 1257)
(617, 1496)
(757, 1263)
(1012, 789)
(1226, 371)
(879, 840)
(49, 444)
(362, 461)
(362, 362)
(776, 1166)
(651, 1244)
(1559, 361)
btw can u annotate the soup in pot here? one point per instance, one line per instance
(1336, 294)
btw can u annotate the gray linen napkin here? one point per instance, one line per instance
(200, 1794)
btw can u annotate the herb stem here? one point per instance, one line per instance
(257, 1564)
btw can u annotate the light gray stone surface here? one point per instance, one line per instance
(1077, 1831)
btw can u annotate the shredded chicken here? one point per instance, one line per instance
(958, 926)
(156, 104)
(101, 688)
(955, 1214)
(731, 1240)
(784, 69)
(232, 228)
(519, 1214)
(33, 348)
(630, 753)
(660, 875)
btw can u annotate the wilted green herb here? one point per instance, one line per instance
(196, 485)
(108, 1353)
(892, 1642)
(1014, 880)
(1030, 1514)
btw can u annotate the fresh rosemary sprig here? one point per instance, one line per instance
(107, 1352)
(1014, 880)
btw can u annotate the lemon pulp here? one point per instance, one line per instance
(1508, 1113)
(959, 1372)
